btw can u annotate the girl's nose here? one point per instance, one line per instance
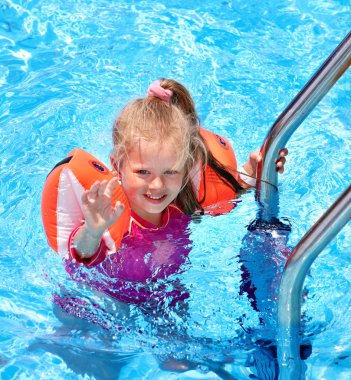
(156, 183)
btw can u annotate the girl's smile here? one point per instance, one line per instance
(151, 179)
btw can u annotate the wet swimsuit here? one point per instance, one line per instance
(147, 255)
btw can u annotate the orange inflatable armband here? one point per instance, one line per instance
(213, 189)
(61, 200)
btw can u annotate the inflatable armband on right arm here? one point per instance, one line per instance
(61, 202)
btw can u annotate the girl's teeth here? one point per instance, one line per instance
(155, 198)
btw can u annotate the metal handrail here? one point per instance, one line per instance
(290, 119)
(290, 292)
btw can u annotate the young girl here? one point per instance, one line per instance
(158, 154)
(155, 148)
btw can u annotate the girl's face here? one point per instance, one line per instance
(151, 179)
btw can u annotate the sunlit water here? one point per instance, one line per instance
(66, 69)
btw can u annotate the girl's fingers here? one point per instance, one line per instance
(102, 188)
(118, 210)
(280, 167)
(96, 190)
(283, 152)
(255, 156)
(280, 160)
(93, 191)
(119, 207)
(85, 199)
(110, 186)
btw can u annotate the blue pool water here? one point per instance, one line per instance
(66, 68)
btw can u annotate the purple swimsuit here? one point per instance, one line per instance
(148, 255)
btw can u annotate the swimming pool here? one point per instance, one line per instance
(66, 68)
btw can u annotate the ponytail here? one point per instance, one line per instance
(183, 100)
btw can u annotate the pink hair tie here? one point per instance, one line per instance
(157, 91)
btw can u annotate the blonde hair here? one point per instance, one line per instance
(153, 119)
(181, 98)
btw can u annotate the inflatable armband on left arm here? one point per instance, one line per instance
(62, 206)
(213, 189)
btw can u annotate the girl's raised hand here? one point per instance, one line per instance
(99, 213)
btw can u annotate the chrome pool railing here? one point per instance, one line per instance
(290, 292)
(290, 119)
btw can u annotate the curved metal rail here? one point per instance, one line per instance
(290, 292)
(290, 119)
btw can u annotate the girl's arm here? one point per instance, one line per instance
(250, 167)
(99, 214)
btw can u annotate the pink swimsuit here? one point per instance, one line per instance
(138, 271)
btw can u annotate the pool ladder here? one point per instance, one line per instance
(323, 231)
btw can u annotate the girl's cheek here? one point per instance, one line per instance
(140, 182)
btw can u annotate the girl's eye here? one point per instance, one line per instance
(171, 172)
(143, 171)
